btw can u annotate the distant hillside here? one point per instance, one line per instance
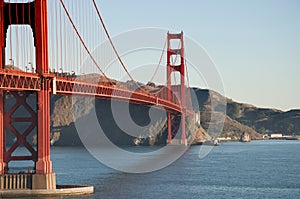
(10, 67)
(239, 118)
(232, 128)
(245, 117)
(265, 120)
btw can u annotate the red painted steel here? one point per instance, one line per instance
(21, 137)
(19, 81)
(2, 95)
(71, 86)
(2, 136)
(173, 67)
(43, 164)
(11, 81)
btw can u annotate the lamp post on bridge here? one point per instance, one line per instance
(11, 63)
(30, 66)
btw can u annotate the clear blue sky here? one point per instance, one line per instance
(255, 44)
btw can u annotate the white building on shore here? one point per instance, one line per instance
(276, 135)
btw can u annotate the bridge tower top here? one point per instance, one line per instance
(35, 14)
(176, 53)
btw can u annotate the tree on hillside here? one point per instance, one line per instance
(290, 128)
(261, 115)
(233, 110)
(261, 130)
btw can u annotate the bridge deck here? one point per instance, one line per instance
(22, 81)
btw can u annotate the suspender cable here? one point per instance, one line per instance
(24, 33)
(115, 50)
(56, 39)
(82, 41)
(10, 34)
(160, 60)
(17, 61)
(31, 49)
(61, 43)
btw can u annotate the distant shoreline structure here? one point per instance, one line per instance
(266, 137)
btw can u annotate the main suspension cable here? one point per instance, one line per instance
(115, 50)
(160, 60)
(82, 41)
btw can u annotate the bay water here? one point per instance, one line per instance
(259, 169)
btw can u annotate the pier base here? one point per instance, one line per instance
(43, 181)
(61, 190)
(36, 185)
(184, 142)
(27, 181)
(178, 142)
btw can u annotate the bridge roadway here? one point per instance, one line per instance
(23, 81)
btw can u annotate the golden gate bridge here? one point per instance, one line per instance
(41, 57)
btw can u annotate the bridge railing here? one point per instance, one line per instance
(19, 80)
(24, 81)
(80, 87)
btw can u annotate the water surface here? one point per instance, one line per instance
(259, 169)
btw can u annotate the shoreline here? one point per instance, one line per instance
(194, 144)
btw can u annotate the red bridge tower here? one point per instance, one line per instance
(33, 14)
(177, 53)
